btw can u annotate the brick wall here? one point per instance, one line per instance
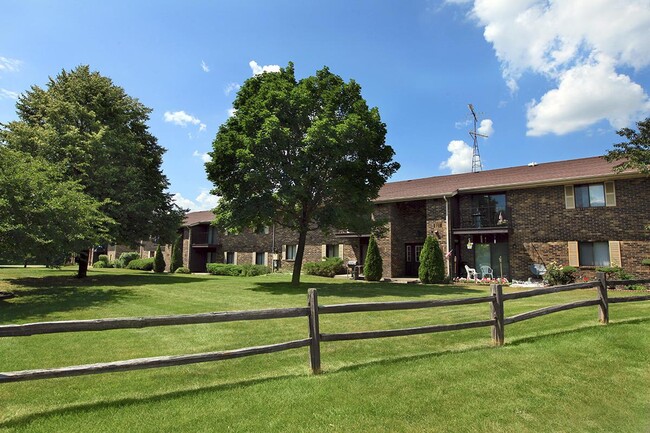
(539, 219)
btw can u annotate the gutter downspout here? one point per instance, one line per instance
(447, 262)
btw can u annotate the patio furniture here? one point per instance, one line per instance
(538, 269)
(471, 273)
(485, 271)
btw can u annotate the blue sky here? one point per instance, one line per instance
(550, 80)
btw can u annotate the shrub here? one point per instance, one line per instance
(615, 273)
(99, 264)
(104, 258)
(326, 268)
(182, 270)
(373, 267)
(125, 258)
(177, 254)
(158, 261)
(253, 270)
(141, 264)
(247, 270)
(224, 269)
(432, 265)
(558, 274)
(645, 262)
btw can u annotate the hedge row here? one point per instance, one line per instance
(237, 270)
(141, 264)
(326, 268)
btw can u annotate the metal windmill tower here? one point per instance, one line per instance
(476, 156)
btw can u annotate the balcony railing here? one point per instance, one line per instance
(202, 238)
(484, 219)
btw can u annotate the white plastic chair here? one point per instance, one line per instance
(471, 273)
(486, 270)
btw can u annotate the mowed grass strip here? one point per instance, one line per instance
(562, 372)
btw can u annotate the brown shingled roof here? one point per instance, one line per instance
(194, 218)
(503, 178)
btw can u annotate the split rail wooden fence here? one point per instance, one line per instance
(497, 322)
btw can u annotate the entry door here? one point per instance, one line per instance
(489, 254)
(412, 259)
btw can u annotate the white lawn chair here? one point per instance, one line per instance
(485, 271)
(471, 273)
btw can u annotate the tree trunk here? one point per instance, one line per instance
(297, 264)
(83, 264)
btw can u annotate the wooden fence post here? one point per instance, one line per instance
(498, 329)
(314, 331)
(603, 307)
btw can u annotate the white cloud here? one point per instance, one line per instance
(587, 94)
(9, 65)
(205, 157)
(486, 127)
(231, 87)
(181, 118)
(257, 69)
(460, 160)
(204, 201)
(558, 40)
(8, 94)
(204, 66)
(232, 112)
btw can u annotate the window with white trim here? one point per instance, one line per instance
(332, 250)
(592, 195)
(260, 259)
(291, 251)
(229, 257)
(593, 253)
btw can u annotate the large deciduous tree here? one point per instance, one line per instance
(635, 152)
(42, 215)
(304, 154)
(98, 134)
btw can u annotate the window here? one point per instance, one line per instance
(488, 210)
(230, 257)
(332, 250)
(593, 253)
(262, 230)
(260, 259)
(291, 252)
(592, 195)
(418, 251)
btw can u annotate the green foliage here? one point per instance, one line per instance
(43, 215)
(103, 258)
(557, 274)
(158, 261)
(141, 264)
(634, 153)
(98, 134)
(182, 270)
(177, 254)
(326, 268)
(248, 270)
(432, 265)
(645, 262)
(615, 273)
(373, 266)
(125, 258)
(306, 154)
(99, 264)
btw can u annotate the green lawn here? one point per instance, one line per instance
(562, 373)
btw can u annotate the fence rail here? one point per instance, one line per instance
(497, 322)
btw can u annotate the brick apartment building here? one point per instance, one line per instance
(576, 212)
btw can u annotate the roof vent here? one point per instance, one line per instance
(532, 164)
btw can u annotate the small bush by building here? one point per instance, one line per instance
(237, 270)
(373, 265)
(326, 268)
(177, 254)
(125, 258)
(141, 264)
(432, 265)
(158, 261)
(557, 274)
(182, 270)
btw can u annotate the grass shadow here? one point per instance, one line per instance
(25, 420)
(363, 290)
(105, 279)
(41, 301)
